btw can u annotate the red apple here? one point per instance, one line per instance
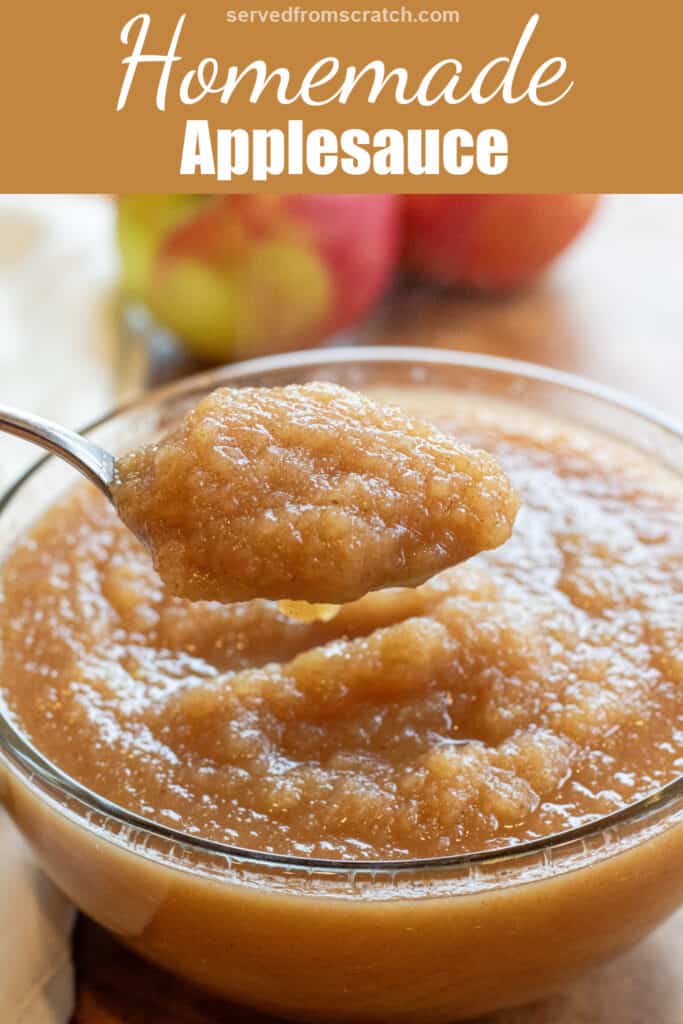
(235, 276)
(490, 242)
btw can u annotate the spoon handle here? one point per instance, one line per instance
(98, 465)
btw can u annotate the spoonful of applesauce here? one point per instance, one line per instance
(305, 493)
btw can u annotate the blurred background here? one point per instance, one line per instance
(100, 298)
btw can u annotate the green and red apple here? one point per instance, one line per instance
(236, 276)
(491, 243)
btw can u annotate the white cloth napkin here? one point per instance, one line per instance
(61, 355)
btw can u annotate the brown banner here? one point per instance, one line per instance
(464, 96)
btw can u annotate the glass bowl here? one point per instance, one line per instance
(433, 940)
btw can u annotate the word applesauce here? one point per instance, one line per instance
(529, 690)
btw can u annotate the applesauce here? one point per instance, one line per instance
(309, 492)
(527, 692)
(417, 944)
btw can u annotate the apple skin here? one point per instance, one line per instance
(242, 275)
(489, 243)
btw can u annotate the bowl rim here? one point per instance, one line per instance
(16, 748)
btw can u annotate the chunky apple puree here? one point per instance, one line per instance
(309, 492)
(533, 689)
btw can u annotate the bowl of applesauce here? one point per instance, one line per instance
(428, 804)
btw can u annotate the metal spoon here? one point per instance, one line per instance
(98, 465)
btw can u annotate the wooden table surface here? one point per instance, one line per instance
(611, 310)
